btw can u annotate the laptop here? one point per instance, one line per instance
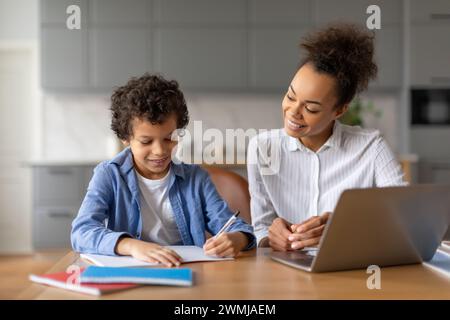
(378, 226)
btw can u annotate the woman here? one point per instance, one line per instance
(318, 157)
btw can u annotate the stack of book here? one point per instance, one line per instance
(96, 281)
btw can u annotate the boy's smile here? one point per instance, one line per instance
(151, 145)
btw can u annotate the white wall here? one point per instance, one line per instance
(77, 127)
(19, 111)
(18, 20)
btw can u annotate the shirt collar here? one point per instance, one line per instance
(333, 141)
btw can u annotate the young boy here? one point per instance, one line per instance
(141, 201)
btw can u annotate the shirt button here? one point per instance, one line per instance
(138, 235)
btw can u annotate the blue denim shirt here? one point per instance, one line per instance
(111, 207)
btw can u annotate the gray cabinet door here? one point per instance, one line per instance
(355, 11)
(64, 58)
(388, 56)
(54, 11)
(117, 54)
(58, 186)
(430, 11)
(52, 227)
(430, 55)
(388, 43)
(119, 12)
(274, 56)
(204, 58)
(281, 12)
(206, 12)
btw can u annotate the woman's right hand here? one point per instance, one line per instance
(279, 233)
(147, 251)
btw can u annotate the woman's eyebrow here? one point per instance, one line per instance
(308, 101)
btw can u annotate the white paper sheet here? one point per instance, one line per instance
(187, 253)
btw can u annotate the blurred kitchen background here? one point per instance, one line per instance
(233, 59)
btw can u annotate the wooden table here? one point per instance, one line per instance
(253, 275)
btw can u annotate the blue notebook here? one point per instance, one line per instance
(159, 276)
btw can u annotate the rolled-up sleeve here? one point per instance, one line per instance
(388, 171)
(89, 232)
(262, 210)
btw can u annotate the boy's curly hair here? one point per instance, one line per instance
(346, 52)
(149, 97)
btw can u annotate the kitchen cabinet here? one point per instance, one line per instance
(435, 171)
(389, 57)
(53, 12)
(430, 55)
(64, 58)
(58, 191)
(429, 11)
(202, 58)
(204, 44)
(430, 50)
(354, 11)
(119, 12)
(200, 12)
(282, 12)
(118, 54)
(265, 71)
(388, 39)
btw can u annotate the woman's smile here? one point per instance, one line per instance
(295, 126)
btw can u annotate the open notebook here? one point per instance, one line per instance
(187, 253)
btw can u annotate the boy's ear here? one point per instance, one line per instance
(126, 143)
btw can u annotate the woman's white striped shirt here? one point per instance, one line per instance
(288, 180)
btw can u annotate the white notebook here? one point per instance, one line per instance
(187, 253)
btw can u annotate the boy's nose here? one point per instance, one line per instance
(158, 149)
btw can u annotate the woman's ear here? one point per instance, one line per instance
(341, 111)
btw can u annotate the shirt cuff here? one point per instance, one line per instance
(109, 243)
(261, 234)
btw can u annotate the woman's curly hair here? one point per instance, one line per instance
(346, 52)
(149, 97)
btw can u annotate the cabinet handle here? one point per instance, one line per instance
(60, 171)
(440, 16)
(60, 215)
(440, 80)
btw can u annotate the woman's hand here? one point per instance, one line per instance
(147, 251)
(309, 232)
(226, 245)
(279, 233)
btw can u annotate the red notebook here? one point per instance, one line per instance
(70, 281)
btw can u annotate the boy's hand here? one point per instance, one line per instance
(147, 251)
(309, 232)
(226, 245)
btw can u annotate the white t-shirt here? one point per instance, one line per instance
(158, 221)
